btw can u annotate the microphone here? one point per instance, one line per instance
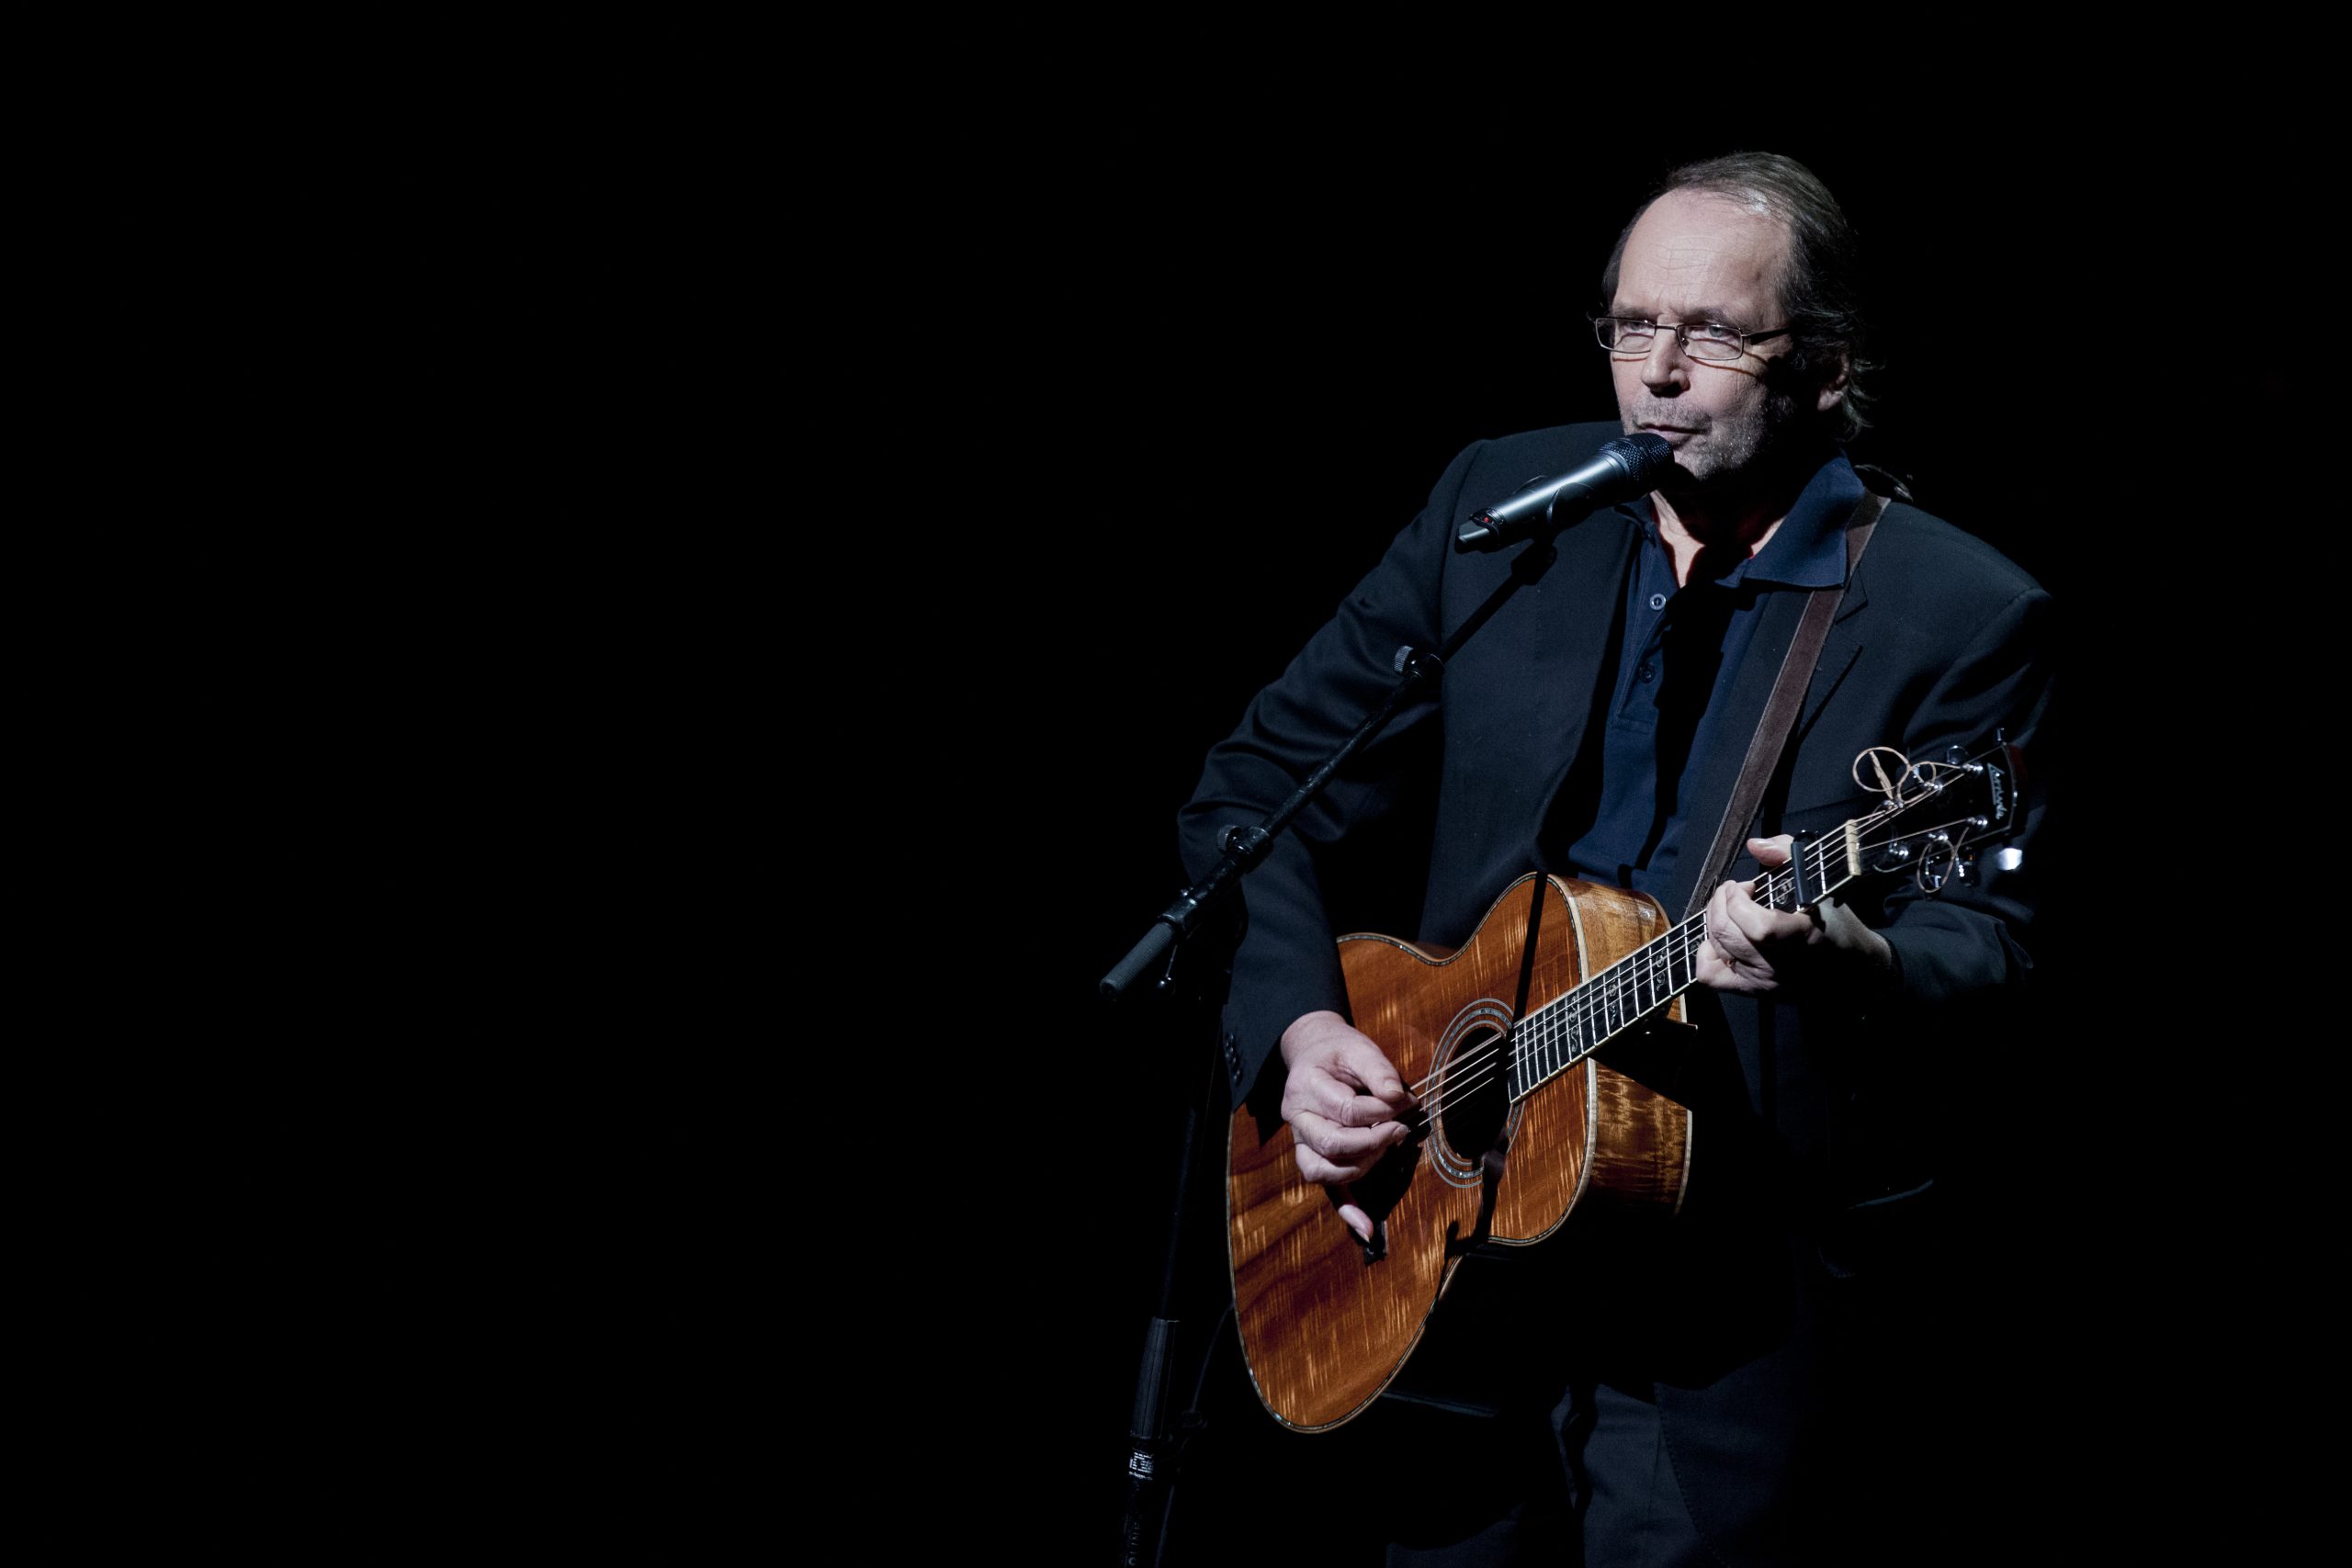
(1627, 467)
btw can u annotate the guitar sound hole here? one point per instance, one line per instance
(1476, 1094)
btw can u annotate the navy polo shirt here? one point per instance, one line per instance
(1681, 653)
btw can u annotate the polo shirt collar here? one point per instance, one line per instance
(1808, 550)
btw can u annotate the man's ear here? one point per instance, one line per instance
(1833, 389)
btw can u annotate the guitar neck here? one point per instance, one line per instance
(1564, 1031)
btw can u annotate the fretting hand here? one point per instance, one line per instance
(1754, 950)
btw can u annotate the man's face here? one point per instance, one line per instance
(1699, 257)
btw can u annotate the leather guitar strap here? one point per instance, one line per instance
(1780, 711)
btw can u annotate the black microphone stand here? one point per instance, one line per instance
(1151, 1445)
(1154, 1449)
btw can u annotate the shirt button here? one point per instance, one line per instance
(1657, 601)
(1645, 672)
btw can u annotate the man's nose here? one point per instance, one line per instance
(1666, 366)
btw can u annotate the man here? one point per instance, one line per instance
(1718, 1407)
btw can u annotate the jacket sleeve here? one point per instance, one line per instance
(1971, 939)
(1285, 964)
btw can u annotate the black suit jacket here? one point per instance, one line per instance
(1818, 1117)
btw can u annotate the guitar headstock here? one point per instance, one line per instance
(1938, 812)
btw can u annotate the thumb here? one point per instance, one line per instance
(1771, 851)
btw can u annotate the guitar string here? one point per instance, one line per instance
(1649, 969)
(1572, 1014)
(1638, 967)
(1636, 963)
(1468, 1070)
(1620, 991)
(1549, 1024)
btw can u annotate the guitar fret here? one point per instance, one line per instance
(1649, 980)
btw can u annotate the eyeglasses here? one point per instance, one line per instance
(1699, 340)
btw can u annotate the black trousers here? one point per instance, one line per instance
(1588, 1483)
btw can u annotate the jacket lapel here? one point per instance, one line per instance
(1571, 650)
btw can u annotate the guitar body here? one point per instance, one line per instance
(1519, 1119)
(1323, 1322)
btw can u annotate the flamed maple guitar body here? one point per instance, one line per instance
(1325, 1325)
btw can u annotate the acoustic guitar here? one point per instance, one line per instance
(1519, 1120)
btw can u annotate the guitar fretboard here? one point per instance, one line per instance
(1565, 1031)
